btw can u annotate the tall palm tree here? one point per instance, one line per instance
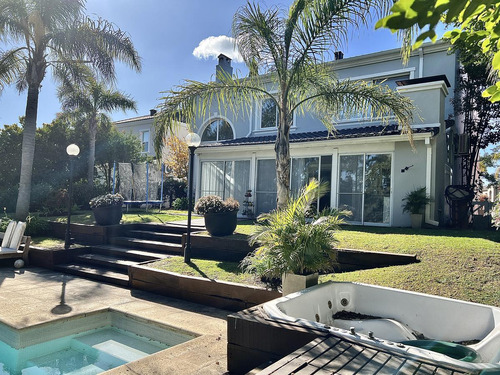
(91, 101)
(55, 33)
(292, 46)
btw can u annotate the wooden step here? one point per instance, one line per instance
(165, 228)
(128, 253)
(150, 245)
(109, 261)
(95, 273)
(155, 236)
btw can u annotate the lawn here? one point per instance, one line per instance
(133, 216)
(457, 264)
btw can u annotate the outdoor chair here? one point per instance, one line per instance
(13, 240)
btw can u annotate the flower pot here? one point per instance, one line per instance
(222, 223)
(416, 221)
(109, 215)
(291, 283)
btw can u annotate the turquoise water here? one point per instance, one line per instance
(86, 353)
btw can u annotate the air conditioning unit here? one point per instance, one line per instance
(463, 144)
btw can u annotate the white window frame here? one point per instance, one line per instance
(391, 190)
(148, 142)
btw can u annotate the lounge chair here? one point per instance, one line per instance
(12, 240)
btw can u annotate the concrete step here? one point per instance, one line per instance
(128, 253)
(149, 245)
(95, 273)
(108, 261)
(155, 236)
(165, 228)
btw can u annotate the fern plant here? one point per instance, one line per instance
(290, 241)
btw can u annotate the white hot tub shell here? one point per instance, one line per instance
(398, 316)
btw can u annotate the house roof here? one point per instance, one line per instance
(357, 132)
(134, 119)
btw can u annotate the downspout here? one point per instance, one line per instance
(420, 62)
(428, 183)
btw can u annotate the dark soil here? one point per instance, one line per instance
(350, 315)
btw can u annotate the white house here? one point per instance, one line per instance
(370, 167)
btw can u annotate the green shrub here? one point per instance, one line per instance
(36, 226)
(180, 204)
(213, 204)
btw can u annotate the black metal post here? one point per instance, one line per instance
(67, 240)
(187, 247)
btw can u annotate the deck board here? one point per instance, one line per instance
(333, 355)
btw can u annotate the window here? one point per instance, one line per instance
(225, 178)
(269, 114)
(265, 192)
(217, 130)
(365, 187)
(145, 141)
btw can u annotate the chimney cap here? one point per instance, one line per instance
(152, 112)
(222, 56)
(339, 55)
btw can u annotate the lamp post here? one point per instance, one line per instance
(72, 150)
(193, 140)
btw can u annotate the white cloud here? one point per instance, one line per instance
(213, 46)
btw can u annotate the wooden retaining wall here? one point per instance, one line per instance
(224, 295)
(85, 233)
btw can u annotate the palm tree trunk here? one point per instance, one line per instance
(282, 149)
(91, 159)
(28, 152)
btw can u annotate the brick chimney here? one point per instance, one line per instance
(223, 68)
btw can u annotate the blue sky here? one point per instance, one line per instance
(166, 33)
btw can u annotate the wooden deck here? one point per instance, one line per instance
(333, 355)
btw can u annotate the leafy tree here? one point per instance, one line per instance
(91, 101)
(491, 160)
(177, 158)
(10, 152)
(54, 33)
(479, 114)
(476, 23)
(292, 46)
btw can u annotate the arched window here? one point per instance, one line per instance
(217, 130)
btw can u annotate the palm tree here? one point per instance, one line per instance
(292, 46)
(55, 33)
(91, 101)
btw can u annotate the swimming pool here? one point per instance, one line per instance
(86, 344)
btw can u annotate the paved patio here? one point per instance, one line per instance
(35, 295)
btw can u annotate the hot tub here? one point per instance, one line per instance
(399, 321)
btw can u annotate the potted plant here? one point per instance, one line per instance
(414, 203)
(293, 245)
(107, 209)
(220, 215)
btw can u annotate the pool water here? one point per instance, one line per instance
(87, 353)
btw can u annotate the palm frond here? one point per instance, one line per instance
(11, 66)
(194, 100)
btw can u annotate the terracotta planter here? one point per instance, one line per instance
(221, 224)
(110, 215)
(292, 283)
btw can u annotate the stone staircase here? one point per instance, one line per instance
(135, 244)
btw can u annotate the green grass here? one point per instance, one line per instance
(456, 264)
(133, 216)
(47, 242)
(213, 270)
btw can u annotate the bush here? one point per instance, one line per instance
(106, 200)
(82, 194)
(36, 226)
(180, 204)
(213, 204)
(173, 188)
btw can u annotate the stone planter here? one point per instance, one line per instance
(222, 223)
(416, 221)
(293, 283)
(110, 215)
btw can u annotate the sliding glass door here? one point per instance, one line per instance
(225, 179)
(365, 187)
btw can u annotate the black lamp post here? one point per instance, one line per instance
(72, 150)
(193, 140)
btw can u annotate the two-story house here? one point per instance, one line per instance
(370, 167)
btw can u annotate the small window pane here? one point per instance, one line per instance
(210, 133)
(145, 141)
(225, 131)
(351, 174)
(268, 119)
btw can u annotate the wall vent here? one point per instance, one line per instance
(463, 144)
